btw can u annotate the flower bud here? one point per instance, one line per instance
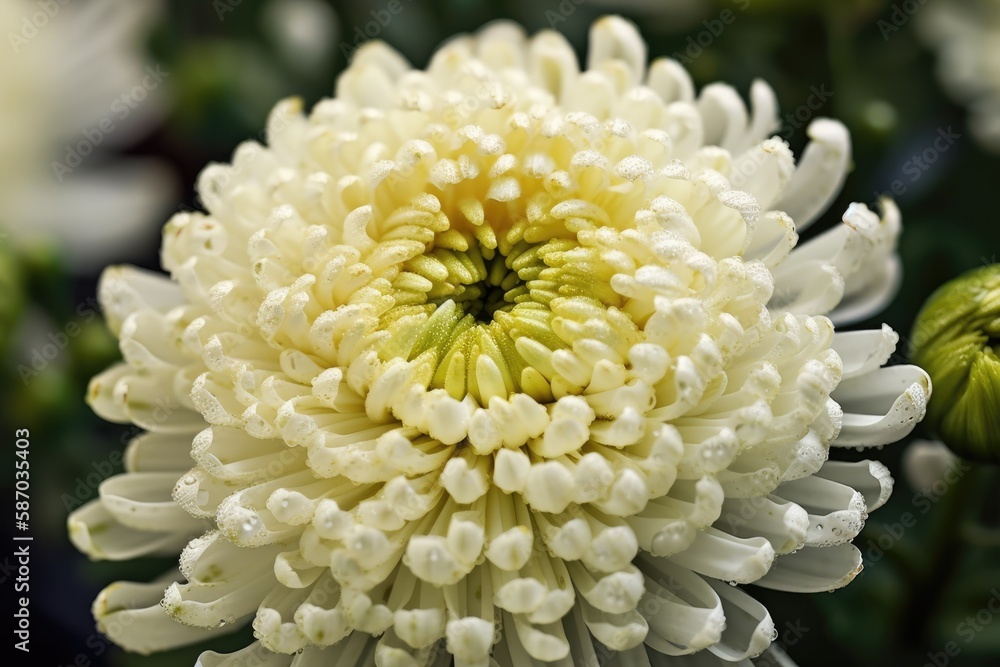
(955, 339)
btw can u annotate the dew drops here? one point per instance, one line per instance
(250, 525)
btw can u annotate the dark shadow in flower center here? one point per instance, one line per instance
(494, 286)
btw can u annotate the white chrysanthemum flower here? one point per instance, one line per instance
(67, 78)
(504, 361)
(967, 38)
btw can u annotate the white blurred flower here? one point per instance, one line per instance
(967, 38)
(304, 30)
(503, 361)
(70, 76)
(925, 463)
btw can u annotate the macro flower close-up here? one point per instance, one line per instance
(508, 359)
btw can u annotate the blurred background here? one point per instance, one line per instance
(110, 108)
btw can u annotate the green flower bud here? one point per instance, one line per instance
(956, 339)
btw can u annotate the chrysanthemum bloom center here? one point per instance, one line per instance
(508, 275)
(462, 306)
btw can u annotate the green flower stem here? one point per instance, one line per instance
(947, 549)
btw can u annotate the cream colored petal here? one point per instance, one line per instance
(749, 628)
(124, 290)
(158, 452)
(95, 531)
(820, 174)
(864, 351)
(871, 479)
(814, 570)
(130, 615)
(224, 586)
(254, 653)
(670, 81)
(883, 406)
(616, 40)
(722, 556)
(142, 500)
